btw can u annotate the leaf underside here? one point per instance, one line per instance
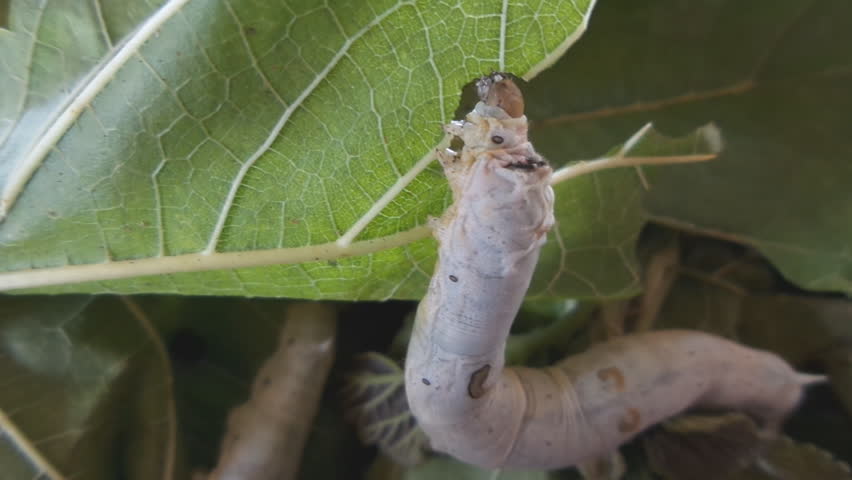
(237, 127)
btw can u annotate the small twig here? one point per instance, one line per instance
(589, 166)
(713, 280)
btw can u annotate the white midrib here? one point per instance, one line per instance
(210, 249)
(209, 258)
(199, 262)
(424, 161)
(36, 155)
(27, 449)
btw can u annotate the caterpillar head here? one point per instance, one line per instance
(498, 90)
(497, 122)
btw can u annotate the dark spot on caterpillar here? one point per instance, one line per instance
(497, 139)
(529, 163)
(454, 278)
(547, 443)
(332, 263)
(474, 388)
(490, 430)
(426, 381)
(549, 396)
(612, 375)
(630, 422)
(521, 166)
(250, 31)
(290, 341)
(266, 381)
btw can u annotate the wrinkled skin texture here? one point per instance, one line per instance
(586, 406)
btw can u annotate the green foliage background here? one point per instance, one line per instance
(98, 385)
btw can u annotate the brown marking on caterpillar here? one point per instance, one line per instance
(477, 378)
(613, 376)
(631, 421)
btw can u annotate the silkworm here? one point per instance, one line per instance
(266, 435)
(473, 408)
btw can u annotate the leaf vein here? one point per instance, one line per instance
(34, 158)
(25, 81)
(285, 117)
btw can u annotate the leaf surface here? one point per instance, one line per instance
(776, 82)
(72, 405)
(210, 128)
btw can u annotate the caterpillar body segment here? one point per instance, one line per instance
(584, 407)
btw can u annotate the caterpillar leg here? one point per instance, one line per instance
(453, 169)
(447, 157)
(455, 128)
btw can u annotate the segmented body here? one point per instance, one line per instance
(266, 435)
(584, 407)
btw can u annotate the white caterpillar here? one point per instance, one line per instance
(265, 436)
(586, 406)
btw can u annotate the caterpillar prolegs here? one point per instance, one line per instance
(473, 408)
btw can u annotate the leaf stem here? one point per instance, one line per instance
(620, 159)
(590, 166)
(27, 449)
(198, 262)
(341, 248)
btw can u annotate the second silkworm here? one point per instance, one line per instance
(265, 436)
